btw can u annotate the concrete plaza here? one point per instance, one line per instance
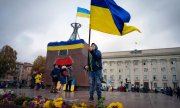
(128, 99)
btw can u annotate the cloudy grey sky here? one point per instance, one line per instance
(28, 25)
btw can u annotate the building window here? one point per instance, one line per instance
(104, 64)
(62, 52)
(104, 71)
(163, 69)
(174, 77)
(111, 63)
(163, 62)
(173, 70)
(164, 85)
(112, 77)
(155, 85)
(111, 70)
(145, 69)
(119, 63)
(145, 77)
(136, 71)
(127, 70)
(135, 62)
(136, 77)
(164, 77)
(105, 77)
(153, 62)
(173, 61)
(119, 77)
(154, 77)
(119, 70)
(128, 77)
(144, 62)
(154, 70)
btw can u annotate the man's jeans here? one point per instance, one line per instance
(95, 78)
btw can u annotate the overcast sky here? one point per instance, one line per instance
(29, 25)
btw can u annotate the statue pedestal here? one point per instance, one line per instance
(80, 59)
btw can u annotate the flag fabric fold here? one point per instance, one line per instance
(127, 29)
(82, 12)
(106, 16)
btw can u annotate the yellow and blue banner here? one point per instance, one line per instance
(64, 45)
(81, 12)
(106, 16)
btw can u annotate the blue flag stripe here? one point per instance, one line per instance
(82, 10)
(119, 15)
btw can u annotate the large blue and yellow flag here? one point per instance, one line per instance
(106, 16)
(81, 12)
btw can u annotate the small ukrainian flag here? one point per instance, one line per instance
(81, 12)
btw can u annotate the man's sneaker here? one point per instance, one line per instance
(91, 99)
(99, 98)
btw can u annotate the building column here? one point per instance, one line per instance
(149, 73)
(116, 82)
(141, 71)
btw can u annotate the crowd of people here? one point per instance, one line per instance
(63, 75)
(169, 91)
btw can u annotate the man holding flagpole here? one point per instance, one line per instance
(95, 71)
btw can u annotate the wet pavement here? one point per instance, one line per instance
(128, 99)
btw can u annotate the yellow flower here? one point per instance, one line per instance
(58, 104)
(59, 99)
(74, 105)
(83, 105)
(36, 102)
(25, 103)
(47, 104)
(115, 105)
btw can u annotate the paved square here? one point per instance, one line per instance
(129, 99)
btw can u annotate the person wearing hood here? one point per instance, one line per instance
(95, 71)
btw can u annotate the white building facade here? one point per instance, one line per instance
(149, 68)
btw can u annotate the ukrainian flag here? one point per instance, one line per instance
(106, 16)
(81, 12)
(76, 44)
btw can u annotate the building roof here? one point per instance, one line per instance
(142, 53)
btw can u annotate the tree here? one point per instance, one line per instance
(39, 64)
(8, 58)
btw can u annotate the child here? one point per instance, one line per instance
(69, 78)
(63, 76)
(38, 78)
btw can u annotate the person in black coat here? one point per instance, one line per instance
(55, 74)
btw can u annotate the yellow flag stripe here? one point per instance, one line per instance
(127, 29)
(101, 20)
(74, 46)
(83, 15)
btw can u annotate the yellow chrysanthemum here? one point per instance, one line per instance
(115, 105)
(47, 104)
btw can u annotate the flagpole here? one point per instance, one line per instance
(89, 41)
(89, 36)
